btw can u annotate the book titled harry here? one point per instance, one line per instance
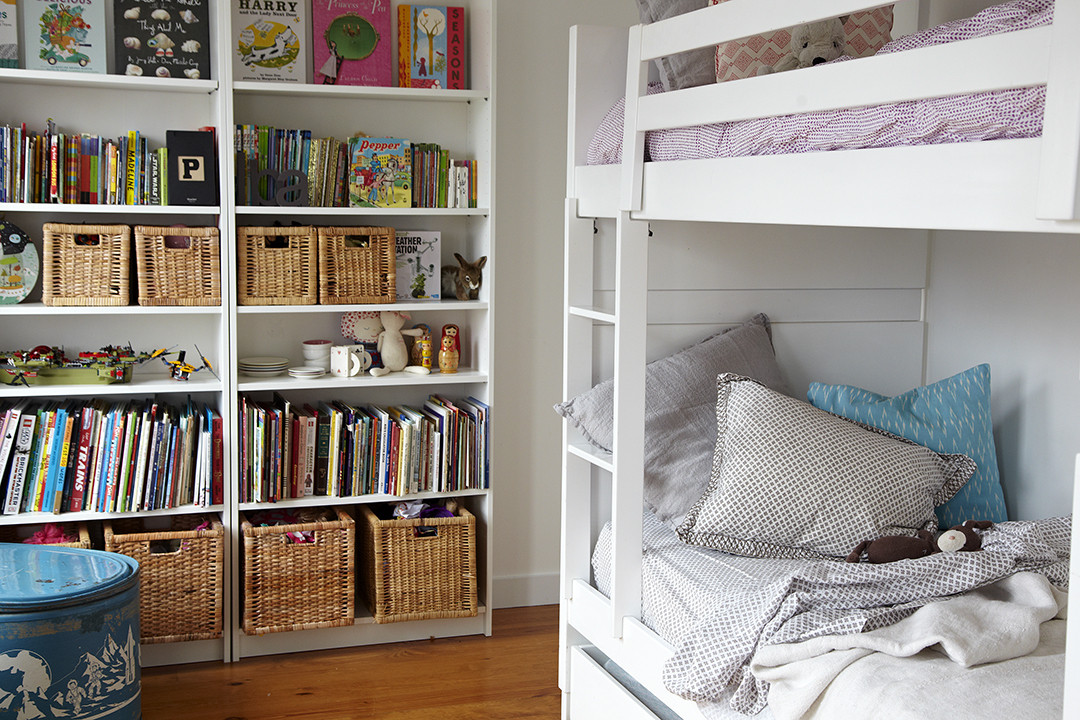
(270, 40)
(162, 38)
(64, 35)
(380, 172)
(431, 46)
(418, 266)
(351, 42)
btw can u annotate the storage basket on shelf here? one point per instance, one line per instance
(178, 265)
(356, 265)
(418, 569)
(298, 576)
(181, 571)
(78, 533)
(85, 264)
(277, 265)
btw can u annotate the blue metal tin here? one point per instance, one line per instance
(69, 634)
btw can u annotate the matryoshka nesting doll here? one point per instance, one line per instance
(450, 349)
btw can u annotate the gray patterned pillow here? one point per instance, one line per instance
(688, 69)
(790, 480)
(680, 411)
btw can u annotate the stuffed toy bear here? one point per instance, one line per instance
(903, 547)
(812, 44)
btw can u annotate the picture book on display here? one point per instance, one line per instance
(418, 268)
(380, 172)
(351, 42)
(431, 46)
(270, 40)
(64, 35)
(9, 35)
(162, 38)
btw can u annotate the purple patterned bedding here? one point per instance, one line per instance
(1001, 114)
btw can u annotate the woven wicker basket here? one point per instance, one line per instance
(356, 265)
(18, 533)
(419, 569)
(185, 272)
(277, 265)
(180, 585)
(86, 265)
(298, 586)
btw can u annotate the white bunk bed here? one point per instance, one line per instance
(612, 664)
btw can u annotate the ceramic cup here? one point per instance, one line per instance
(317, 353)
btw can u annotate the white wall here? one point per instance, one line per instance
(531, 82)
(1011, 301)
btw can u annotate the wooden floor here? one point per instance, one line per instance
(512, 674)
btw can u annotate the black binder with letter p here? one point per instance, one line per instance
(192, 167)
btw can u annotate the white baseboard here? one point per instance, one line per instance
(523, 590)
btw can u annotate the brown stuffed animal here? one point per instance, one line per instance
(903, 547)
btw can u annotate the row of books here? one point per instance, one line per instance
(280, 166)
(58, 167)
(125, 456)
(334, 449)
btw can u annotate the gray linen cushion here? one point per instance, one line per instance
(680, 411)
(792, 481)
(688, 69)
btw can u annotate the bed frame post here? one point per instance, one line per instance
(1059, 163)
(633, 152)
(1071, 701)
(575, 533)
(628, 447)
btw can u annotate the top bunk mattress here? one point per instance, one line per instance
(1000, 114)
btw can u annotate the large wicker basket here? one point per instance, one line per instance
(19, 533)
(86, 265)
(356, 265)
(180, 586)
(277, 265)
(418, 569)
(178, 265)
(298, 585)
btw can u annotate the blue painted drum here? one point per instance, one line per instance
(69, 634)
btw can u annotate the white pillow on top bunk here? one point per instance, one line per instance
(792, 481)
(866, 33)
(685, 70)
(680, 417)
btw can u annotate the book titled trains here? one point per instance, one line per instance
(64, 35)
(270, 40)
(350, 41)
(431, 46)
(162, 38)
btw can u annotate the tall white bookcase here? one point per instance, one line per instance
(463, 121)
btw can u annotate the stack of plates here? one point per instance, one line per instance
(306, 372)
(263, 366)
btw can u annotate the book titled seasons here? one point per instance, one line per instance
(431, 46)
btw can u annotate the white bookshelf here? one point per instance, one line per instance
(461, 120)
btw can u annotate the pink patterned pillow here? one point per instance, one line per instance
(866, 32)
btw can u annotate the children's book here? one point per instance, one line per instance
(380, 172)
(270, 40)
(9, 35)
(64, 35)
(351, 42)
(162, 38)
(419, 264)
(431, 46)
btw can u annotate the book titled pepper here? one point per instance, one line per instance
(431, 46)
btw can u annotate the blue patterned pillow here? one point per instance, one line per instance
(949, 416)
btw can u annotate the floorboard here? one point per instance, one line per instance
(512, 674)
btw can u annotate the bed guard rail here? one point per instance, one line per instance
(1047, 55)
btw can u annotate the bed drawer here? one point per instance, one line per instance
(595, 694)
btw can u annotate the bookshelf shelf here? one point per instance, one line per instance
(323, 500)
(109, 106)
